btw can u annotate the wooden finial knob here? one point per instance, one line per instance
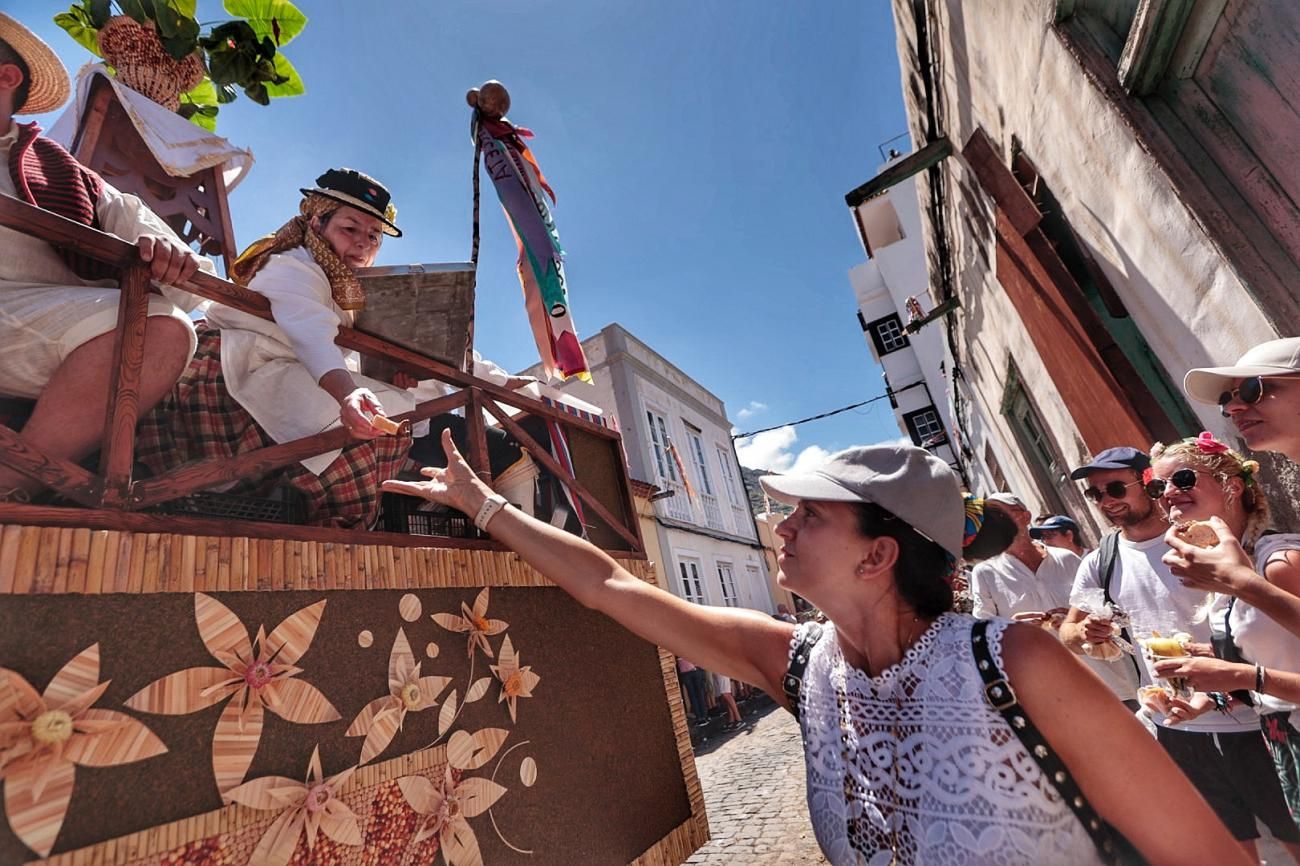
(491, 99)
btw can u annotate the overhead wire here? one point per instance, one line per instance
(817, 417)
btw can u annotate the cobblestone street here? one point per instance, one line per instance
(753, 783)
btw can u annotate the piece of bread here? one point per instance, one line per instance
(1165, 647)
(1199, 533)
(387, 425)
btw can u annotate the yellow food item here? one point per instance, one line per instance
(1166, 647)
(379, 422)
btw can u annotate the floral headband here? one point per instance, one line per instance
(1208, 445)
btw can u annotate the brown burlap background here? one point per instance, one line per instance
(609, 781)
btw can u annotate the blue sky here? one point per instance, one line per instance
(700, 152)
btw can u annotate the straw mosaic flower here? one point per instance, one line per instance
(446, 809)
(516, 682)
(45, 736)
(313, 805)
(475, 621)
(381, 719)
(255, 675)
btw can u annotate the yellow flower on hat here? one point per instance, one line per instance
(390, 212)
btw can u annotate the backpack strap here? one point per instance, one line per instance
(1108, 555)
(806, 637)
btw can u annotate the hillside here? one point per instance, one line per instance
(750, 478)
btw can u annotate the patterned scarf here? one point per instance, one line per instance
(46, 175)
(346, 289)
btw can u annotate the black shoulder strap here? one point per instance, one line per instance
(1112, 847)
(1108, 555)
(1106, 565)
(792, 682)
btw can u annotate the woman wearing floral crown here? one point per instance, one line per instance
(1196, 481)
(254, 382)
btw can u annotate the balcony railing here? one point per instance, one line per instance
(113, 498)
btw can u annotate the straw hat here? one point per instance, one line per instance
(50, 87)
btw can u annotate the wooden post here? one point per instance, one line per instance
(476, 435)
(124, 386)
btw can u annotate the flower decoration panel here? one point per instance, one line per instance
(501, 725)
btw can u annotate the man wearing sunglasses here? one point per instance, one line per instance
(1260, 393)
(1140, 584)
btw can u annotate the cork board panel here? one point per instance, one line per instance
(593, 734)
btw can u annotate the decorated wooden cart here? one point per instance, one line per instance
(184, 688)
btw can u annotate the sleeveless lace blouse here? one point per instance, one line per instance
(915, 761)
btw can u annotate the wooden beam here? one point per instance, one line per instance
(476, 436)
(254, 464)
(62, 475)
(544, 457)
(985, 161)
(123, 408)
(1151, 43)
(913, 163)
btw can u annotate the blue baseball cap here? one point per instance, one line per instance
(1055, 523)
(1114, 458)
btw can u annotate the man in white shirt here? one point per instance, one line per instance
(58, 314)
(1031, 578)
(1221, 752)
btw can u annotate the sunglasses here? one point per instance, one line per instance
(1115, 490)
(1183, 479)
(1250, 392)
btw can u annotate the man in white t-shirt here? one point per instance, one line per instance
(1031, 577)
(1221, 752)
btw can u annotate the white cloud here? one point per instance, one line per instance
(751, 410)
(774, 450)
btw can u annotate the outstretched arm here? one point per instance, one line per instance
(743, 644)
(1126, 776)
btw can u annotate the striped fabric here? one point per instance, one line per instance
(46, 175)
(576, 412)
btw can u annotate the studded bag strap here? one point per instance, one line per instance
(1113, 848)
(792, 683)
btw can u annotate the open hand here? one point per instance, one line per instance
(169, 263)
(1225, 568)
(456, 485)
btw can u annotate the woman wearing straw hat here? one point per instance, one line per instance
(255, 382)
(58, 309)
(929, 738)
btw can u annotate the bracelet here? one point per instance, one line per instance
(491, 505)
(1260, 679)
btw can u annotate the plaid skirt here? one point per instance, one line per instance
(199, 420)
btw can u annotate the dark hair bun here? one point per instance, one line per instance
(994, 537)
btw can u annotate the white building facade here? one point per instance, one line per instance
(677, 434)
(916, 362)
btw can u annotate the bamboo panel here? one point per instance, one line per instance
(76, 559)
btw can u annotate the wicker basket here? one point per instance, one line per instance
(142, 64)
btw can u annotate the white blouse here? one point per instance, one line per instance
(916, 764)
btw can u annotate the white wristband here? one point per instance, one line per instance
(491, 505)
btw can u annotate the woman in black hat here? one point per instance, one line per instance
(929, 738)
(255, 382)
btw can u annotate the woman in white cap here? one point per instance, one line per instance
(928, 738)
(255, 382)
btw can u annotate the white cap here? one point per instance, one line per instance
(908, 482)
(1274, 358)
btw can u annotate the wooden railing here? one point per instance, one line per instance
(112, 494)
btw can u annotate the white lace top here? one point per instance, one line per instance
(915, 761)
